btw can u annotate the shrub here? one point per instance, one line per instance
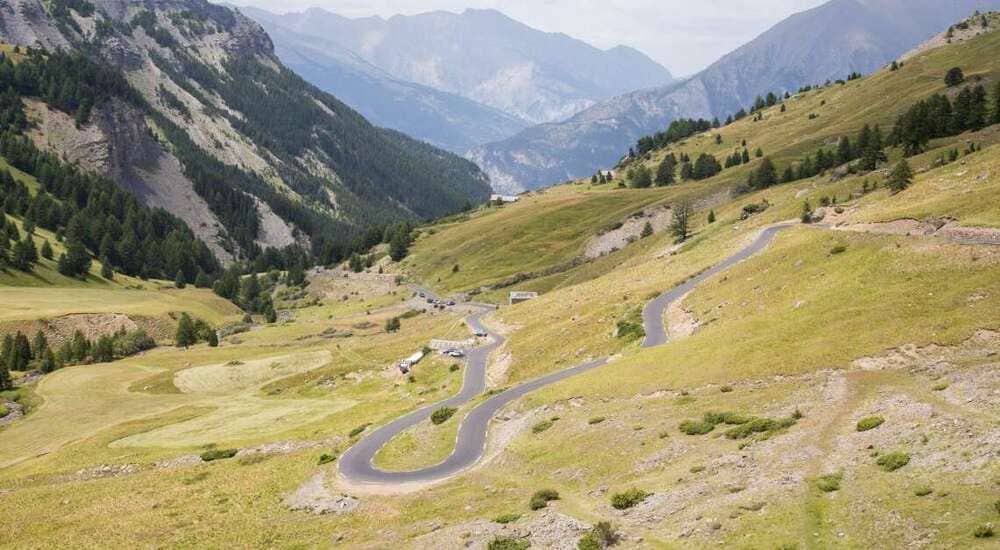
(726, 389)
(628, 499)
(596, 420)
(893, 461)
(442, 415)
(605, 534)
(923, 491)
(358, 430)
(541, 426)
(3, 411)
(869, 423)
(717, 418)
(504, 519)
(696, 427)
(508, 543)
(588, 542)
(941, 387)
(983, 532)
(218, 454)
(839, 249)
(697, 469)
(541, 498)
(454, 368)
(630, 331)
(327, 458)
(759, 425)
(830, 482)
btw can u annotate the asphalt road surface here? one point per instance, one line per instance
(356, 464)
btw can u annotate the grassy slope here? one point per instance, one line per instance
(794, 310)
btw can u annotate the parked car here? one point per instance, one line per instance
(481, 334)
(451, 302)
(456, 354)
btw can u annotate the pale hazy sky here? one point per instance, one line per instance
(683, 35)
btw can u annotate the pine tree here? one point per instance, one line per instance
(746, 155)
(954, 77)
(900, 177)
(711, 216)
(844, 152)
(202, 280)
(392, 324)
(680, 225)
(640, 178)
(39, 345)
(106, 271)
(270, 315)
(213, 338)
(399, 246)
(179, 280)
(186, 335)
(46, 250)
(6, 383)
(48, 363)
(806, 212)
(647, 231)
(665, 172)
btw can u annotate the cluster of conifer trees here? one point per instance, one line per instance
(20, 354)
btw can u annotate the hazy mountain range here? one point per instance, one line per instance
(456, 80)
(827, 42)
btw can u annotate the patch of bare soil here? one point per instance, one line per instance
(341, 286)
(681, 322)
(545, 529)
(14, 411)
(630, 231)
(958, 36)
(942, 228)
(314, 497)
(93, 325)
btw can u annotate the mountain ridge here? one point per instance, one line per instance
(776, 61)
(487, 57)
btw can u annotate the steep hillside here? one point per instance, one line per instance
(487, 57)
(826, 43)
(443, 119)
(224, 136)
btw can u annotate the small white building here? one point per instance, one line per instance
(518, 297)
(504, 198)
(608, 174)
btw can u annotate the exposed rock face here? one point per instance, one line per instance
(825, 43)
(198, 137)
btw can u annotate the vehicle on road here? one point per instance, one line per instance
(481, 334)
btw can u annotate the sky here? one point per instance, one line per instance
(682, 35)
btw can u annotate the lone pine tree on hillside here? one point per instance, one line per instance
(187, 335)
(680, 225)
(954, 77)
(900, 177)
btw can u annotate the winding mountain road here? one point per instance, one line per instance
(356, 465)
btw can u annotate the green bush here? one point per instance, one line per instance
(508, 543)
(923, 491)
(604, 534)
(869, 423)
(596, 420)
(839, 249)
(983, 532)
(541, 426)
(830, 482)
(630, 331)
(941, 387)
(327, 458)
(726, 389)
(218, 454)
(893, 461)
(358, 430)
(541, 498)
(696, 427)
(442, 415)
(589, 542)
(504, 519)
(697, 469)
(3, 411)
(732, 419)
(628, 499)
(759, 425)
